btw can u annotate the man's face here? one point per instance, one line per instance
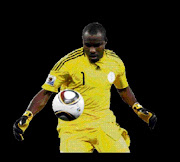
(94, 46)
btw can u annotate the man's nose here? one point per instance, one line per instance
(92, 50)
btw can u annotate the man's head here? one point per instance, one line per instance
(94, 41)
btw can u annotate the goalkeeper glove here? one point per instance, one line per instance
(147, 116)
(21, 125)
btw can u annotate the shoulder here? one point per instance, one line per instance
(75, 53)
(114, 57)
(70, 58)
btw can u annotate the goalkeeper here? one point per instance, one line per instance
(90, 70)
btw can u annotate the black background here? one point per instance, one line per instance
(38, 36)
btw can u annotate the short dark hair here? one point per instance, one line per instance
(94, 28)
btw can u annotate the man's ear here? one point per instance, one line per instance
(106, 40)
(105, 43)
(82, 41)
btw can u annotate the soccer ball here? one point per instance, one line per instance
(68, 105)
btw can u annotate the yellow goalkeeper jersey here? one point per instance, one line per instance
(92, 80)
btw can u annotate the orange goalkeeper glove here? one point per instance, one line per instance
(147, 116)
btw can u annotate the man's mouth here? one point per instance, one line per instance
(93, 57)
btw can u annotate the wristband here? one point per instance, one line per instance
(136, 106)
(29, 115)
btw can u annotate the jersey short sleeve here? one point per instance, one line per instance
(57, 76)
(121, 80)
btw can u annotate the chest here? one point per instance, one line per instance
(93, 76)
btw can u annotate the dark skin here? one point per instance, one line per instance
(94, 46)
(39, 101)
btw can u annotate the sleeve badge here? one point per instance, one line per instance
(50, 80)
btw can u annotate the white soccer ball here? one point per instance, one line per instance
(68, 105)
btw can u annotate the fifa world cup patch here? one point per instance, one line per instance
(50, 80)
(111, 77)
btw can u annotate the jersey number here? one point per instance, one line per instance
(83, 78)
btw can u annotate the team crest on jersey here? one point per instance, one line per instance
(111, 77)
(50, 80)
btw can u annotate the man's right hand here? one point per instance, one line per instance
(21, 125)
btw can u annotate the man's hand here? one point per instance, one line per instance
(147, 116)
(21, 125)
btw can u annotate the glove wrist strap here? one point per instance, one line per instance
(29, 114)
(137, 106)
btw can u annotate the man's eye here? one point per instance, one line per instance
(88, 44)
(97, 45)
(92, 45)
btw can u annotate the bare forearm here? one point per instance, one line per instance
(147, 116)
(39, 101)
(127, 95)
